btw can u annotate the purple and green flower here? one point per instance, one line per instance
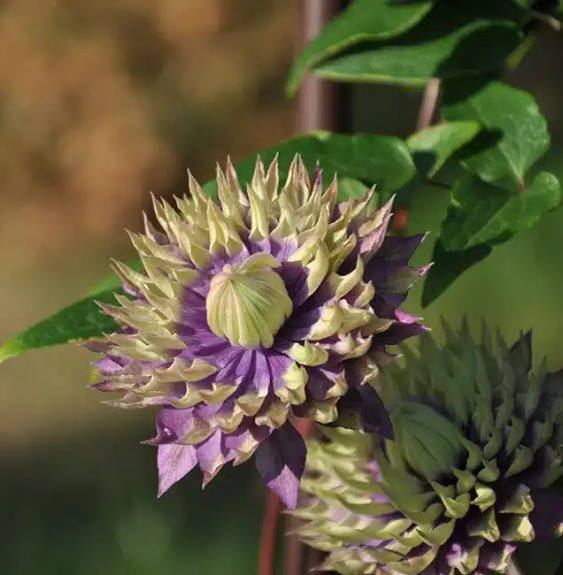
(478, 443)
(270, 303)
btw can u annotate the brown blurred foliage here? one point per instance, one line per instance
(102, 101)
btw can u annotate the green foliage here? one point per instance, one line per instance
(80, 321)
(350, 188)
(496, 202)
(363, 20)
(484, 214)
(432, 147)
(513, 125)
(382, 159)
(476, 37)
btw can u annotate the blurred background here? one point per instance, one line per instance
(101, 102)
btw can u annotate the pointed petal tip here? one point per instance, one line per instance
(280, 461)
(174, 463)
(286, 487)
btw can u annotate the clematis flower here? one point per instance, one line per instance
(478, 442)
(269, 303)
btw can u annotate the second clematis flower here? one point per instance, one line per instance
(268, 303)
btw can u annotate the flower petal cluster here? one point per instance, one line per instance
(270, 302)
(478, 442)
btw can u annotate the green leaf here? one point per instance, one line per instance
(363, 20)
(385, 161)
(350, 189)
(447, 267)
(80, 321)
(484, 214)
(475, 38)
(433, 146)
(509, 114)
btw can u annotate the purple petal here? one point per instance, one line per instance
(108, 364)
(295, 276)
(321, 380)
(400, 249)
(365, 401)
(280, 461)
(392, 277)
(172, 424)
(174, 463)
(370, 244)
(404, 317)
(399, 332)
(385, 305)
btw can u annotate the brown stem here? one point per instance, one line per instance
(429, 104)
(269, 535)
(425, 115)
(316, 99)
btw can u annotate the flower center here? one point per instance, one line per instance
(248, 303)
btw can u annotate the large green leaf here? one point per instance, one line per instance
(511, 117)
(433, 146)
(362, 20)
(476, 37)
(481, 213)
(80, 321)
(481, 216)
(382, 160)
(350, 189)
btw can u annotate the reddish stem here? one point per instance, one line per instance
(425, 116)
(269, 534)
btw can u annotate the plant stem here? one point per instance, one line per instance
(429, 104)
(269, 535)
(425, 115)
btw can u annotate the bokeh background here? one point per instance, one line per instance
(101, 102)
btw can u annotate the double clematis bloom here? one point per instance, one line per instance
(478, 442)
(266, 304)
